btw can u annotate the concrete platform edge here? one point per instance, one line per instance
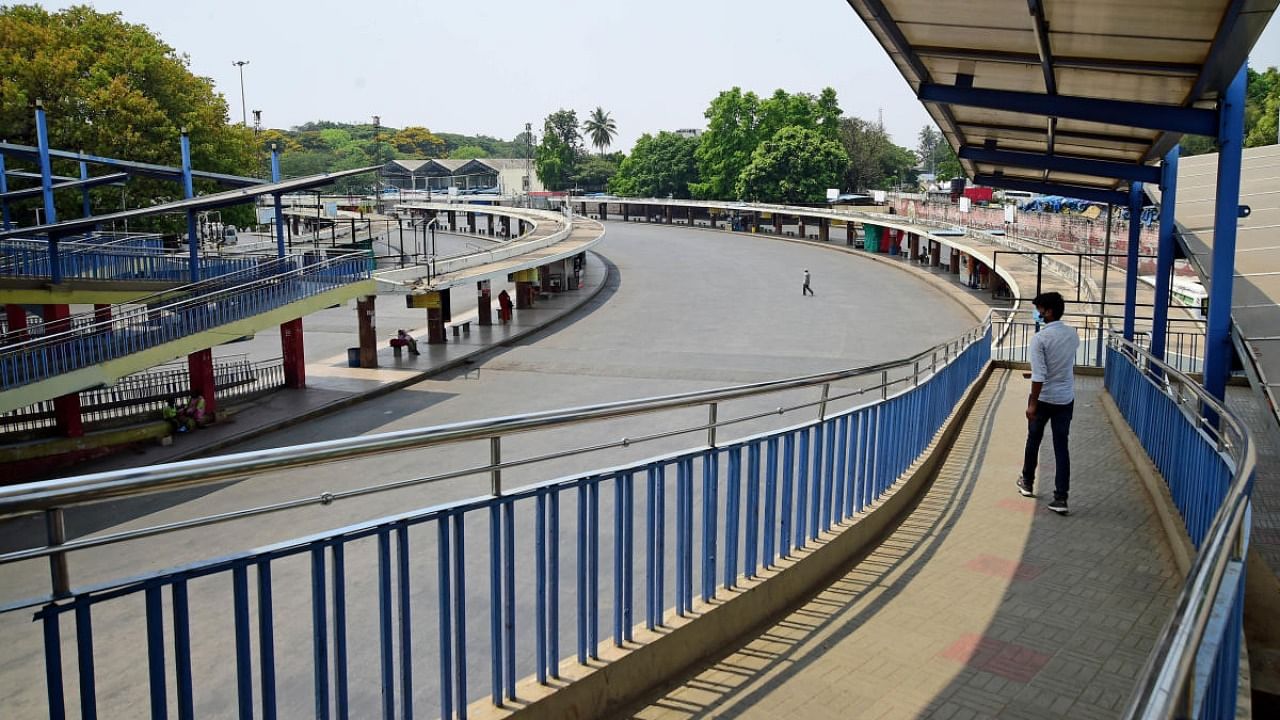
(397, 385)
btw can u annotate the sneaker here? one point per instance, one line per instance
(1059, 506)
(1024, 487)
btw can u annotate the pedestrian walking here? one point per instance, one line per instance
(1052, 399)
(806, 290)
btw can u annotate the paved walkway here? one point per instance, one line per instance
(331, 385)
(981, 604)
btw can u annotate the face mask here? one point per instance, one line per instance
(1037, 317)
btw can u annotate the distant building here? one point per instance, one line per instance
(689, 132)
(500, 176)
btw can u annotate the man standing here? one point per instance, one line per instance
(1052, 400)
(806, 290)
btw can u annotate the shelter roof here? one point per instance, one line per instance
(1073, 93)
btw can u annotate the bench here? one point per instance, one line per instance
(463, 327)
(397, 345)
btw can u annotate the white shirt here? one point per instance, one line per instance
(1053, 360)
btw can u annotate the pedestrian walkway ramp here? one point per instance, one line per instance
(98, 348)
(980, 603)
(873, 560)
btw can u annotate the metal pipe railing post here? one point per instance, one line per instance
(495, 461)
(884, 384)
(711, 424)
(56, 532)
(822, 404)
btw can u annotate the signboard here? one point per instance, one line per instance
(832, 194)
(530, 275)
(453, 191)
(331, 209)
(1010, 214)
(482, 286)
(266, 215)
(879, 196)
(427, 300)
(964, 204)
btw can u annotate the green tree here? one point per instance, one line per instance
(797, 165)
(726, 147)
(595, 172)
(600, 128)
(1262, 108)
(929, 142)
(469, 152)
(558, 153)
(114, 89)
(874, 161)
(658, 166)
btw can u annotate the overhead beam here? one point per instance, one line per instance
(222, 199)
(1111, 112)
(91, 182)
(1042, 46)
(164, 172)
(1061, 134)
(1092, 194)
(28, 175)
(1062, 163)
(1059, 61)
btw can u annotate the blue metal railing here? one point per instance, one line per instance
(1207, 459)
(121, 259)
(703, 519)
(266, 286)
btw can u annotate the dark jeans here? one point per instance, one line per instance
(1058, 417)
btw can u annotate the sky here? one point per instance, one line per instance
(488, 67)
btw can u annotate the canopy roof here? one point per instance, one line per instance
(1079, 94)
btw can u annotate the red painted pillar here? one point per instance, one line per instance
(101, 313)
(16, 316)
(800, 228)
(200, 368)
(777, 224)
(484, 303)
(690, 214)
(824, 229)
(368, 329)
(291, 349)
(490, 226)
(849, 232)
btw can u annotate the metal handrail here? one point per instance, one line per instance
(1162, 685)
(218, 293)
(56, 494)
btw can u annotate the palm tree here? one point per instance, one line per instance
(601, 128)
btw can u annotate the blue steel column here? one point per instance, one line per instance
(193, 243)
(4, 188)
(46, 183)
(275, 177)
(1217, 359)
(1164, 257)
(84, 191)
(1131, 268)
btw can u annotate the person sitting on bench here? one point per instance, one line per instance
(407, 340)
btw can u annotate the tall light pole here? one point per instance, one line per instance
(377, 157)
(244, 119)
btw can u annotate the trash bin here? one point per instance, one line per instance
(353, 357)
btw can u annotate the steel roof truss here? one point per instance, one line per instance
(1062, 163)
(1112, 112)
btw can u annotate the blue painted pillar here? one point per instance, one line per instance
(46, 183)
(1164, 256)
(275, 177)
(84, 191)
(188, 191)
(1131, 268)
(1226, 213)
(4, 188)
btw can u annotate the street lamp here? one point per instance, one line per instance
(377, 157)
(244, 120)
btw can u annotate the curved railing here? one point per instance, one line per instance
(269, 285)
(111, 261)
(763, 495)
(1207, 458)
